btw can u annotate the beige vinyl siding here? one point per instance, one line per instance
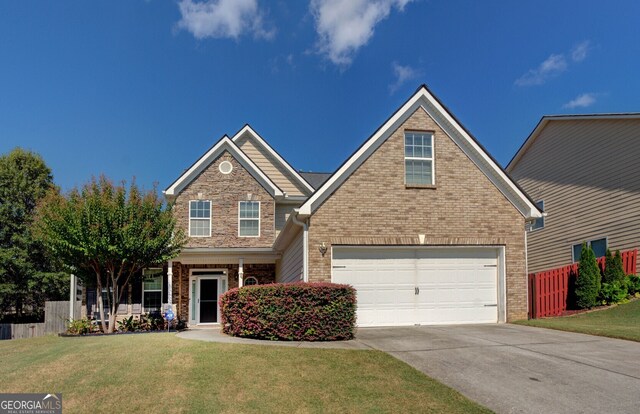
(588, 174)
(290, 266)
(282, 214)
(270, 166)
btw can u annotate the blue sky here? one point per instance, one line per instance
(143, 88)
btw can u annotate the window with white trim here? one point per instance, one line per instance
(152, 290)
(199, 218)
(250, 281)
(249, 219)
(418, 158)
(599, 247)
(539, 223)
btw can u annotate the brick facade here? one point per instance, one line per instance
(373, 206)
(265, 273)
(225, 192)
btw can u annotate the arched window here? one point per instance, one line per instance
(250, 281)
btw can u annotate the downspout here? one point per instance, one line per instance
(305, 244)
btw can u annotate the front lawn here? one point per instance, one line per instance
(163, 373)
(622, 321)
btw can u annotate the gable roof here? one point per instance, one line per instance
(548, 118)
(316, 179)
(224, 144)
(423, 98)
(247, 129)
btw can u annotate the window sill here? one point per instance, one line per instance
(427, 186)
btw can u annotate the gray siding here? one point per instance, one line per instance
(290, 269)
(588, 174)
(270, 166)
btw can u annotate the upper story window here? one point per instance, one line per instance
(200, 218)
(249, 219)
(539, 223)
(599, 247)
(418, 158)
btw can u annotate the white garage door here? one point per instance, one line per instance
(408, 286)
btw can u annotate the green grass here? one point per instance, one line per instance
(622, 321)
(163, 373)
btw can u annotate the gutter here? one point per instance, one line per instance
(305, 244)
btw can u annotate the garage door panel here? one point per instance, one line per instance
(456, 285)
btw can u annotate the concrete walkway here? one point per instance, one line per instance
(507, 368)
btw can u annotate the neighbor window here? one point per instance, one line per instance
(418, 158)
(250, 281)
(249, 219)
(599, 247)
(539, 223)
(199, 218)
(152, 290)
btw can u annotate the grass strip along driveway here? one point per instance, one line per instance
(163, 373)
(622, 321)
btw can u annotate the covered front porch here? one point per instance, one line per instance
(198, 276)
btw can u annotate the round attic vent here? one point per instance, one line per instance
(225, 167)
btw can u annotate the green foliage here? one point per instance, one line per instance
(614, 270)
(79, 326)
(614, 292)
(633, 284)
(108, 233)
(129, 324)
(28, 276)
(588, 280)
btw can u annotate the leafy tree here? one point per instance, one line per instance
(28, 276)
(588, 281)
(109, 233)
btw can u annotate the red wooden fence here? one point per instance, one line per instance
(549, 290)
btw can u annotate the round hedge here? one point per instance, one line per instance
(290, 311)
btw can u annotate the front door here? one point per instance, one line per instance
(208, 300)
(205, 290)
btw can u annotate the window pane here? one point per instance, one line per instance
(418, 172)
(249, 209)
(577, 252)
(152, 283)
(152, 301)
(199, 209)
(199, 227)
(249, 227)
(599, 247)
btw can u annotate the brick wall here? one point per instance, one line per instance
(225, 191)
(265, 273)
(373, 206)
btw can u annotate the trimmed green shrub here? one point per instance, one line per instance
(633, 284)
(614, 292)
(613, 268)
(79, 326)
(290, 311)
(588, 281)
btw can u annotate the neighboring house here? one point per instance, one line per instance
(420, 220)
(584, 172)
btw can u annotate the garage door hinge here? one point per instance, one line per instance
(339, 267)
(494, 305)
(490, 265)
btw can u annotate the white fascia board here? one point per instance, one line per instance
(224, 144)
(422, 98)
(275, 155)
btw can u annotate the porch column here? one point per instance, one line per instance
(170, 284)
(240, 272)
(72, 296)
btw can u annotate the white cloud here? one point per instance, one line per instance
(580, 52)
(581, 101)
(402, 74)
(344, 26)
(222, 19)
(552, 66)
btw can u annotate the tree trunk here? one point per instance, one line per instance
(112, 320)
(100, 304)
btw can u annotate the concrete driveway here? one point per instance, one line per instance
(518, 369)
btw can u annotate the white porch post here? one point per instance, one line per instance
(240, 272)
(170, 284)
(72, 295)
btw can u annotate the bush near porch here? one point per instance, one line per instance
(290, 312)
